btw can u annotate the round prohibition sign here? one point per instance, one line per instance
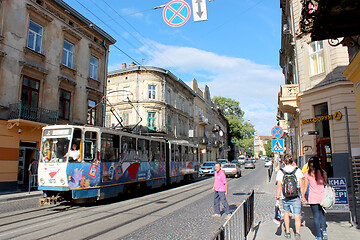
(277, 132)
(176, 13)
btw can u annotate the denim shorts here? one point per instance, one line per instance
(293, 205)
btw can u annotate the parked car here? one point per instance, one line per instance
(231, 169)
(235, 162)
(249, 164)
(268, 163)
(208, 168)
(222, 161)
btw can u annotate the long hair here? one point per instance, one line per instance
(288, 159)
(315, 168)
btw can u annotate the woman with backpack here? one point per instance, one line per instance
(317, 179)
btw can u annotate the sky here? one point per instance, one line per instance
(235, 52)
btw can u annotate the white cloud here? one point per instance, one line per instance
(253, 85)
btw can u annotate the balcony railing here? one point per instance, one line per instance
(22, 111)
(288, 98)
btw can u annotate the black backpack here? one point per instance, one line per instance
(290, 184)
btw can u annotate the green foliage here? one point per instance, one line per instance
(240, 131)
(267, 147)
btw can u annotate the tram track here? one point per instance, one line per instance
(125, 211)
(98, 218)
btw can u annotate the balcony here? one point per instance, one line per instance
(35, 114)
(288, 98)
(203, 121)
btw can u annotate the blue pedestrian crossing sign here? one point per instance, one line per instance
(277, 145)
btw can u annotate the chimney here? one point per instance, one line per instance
(132, 64)
(124, 65)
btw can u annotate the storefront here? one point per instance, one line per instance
(20, 143)
(323, 128)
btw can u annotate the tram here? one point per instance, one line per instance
(109, 163)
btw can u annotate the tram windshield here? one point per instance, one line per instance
(55, 149)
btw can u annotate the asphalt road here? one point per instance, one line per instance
(182, 212)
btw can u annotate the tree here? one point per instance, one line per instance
(241, 132)
(268, 147)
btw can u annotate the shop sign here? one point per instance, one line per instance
(337, 116)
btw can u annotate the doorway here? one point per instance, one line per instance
(325, 155)
(27, 152)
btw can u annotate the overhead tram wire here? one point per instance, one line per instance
(114, 32)
(150, 44)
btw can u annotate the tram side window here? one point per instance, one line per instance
(173, 150)
(128, 148)
(109, 147)
(143, 150)
(162, 153)
(191, 154)
(186, 153)
(90, 149)
(155, 151)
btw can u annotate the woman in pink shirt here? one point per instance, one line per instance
(317, 178)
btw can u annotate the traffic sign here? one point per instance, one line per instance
(277, 132)
(176, 13)
(291, 132)
(277, 145)
(199, 10)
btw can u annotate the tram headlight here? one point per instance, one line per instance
(62, 181)
(42, 181)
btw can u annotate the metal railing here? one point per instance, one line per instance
(239, 224)
(36, 114)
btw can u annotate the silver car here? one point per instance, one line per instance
(231, 169)
(249, 164)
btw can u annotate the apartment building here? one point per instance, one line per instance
(313, 97)
(53, 65)
(153, 101)
(259, 144)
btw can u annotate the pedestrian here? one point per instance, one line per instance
(289, 188)
(32, 173)
(220, 190)
(316, 178)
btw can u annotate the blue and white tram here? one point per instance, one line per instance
(111, 162)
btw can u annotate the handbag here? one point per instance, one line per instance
(329, 197)
(277, 218)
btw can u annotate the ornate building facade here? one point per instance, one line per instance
(52, 71)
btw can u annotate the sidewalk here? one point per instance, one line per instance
(264, 227)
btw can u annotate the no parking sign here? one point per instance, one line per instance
(176, 13)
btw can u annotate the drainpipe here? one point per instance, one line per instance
(164, 99)
(105, 80)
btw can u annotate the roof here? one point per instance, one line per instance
(154, 69)
(79, 16)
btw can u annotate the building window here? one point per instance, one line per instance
(169, 123)
(94, 64)
(91, 112)
(151, 120)
(317, 64)
(151, 91)
(127, 93)
(30, 93)
(64, 104)
(125, 119)
(35, 37)
(108, 121)
(323, 127)
(68, 54)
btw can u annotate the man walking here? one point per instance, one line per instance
(220, 189)
(289, 187)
